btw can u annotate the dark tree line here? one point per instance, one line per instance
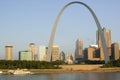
(6, 64)
(94, 62)
(113, 63)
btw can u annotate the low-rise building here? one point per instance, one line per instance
(25, 55)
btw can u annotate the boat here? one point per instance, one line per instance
(1, 72)
(20, 72)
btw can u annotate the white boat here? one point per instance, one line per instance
(21, 71)
(1, 72)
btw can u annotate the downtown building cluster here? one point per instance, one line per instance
(33, 54)
(93, 53)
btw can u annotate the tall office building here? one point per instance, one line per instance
(25, 55)
(42, 53)
(62, 56)
(107, 36)
(55, 52)
(33, 49)
(115, 51)
(9, 52)
(79, 49)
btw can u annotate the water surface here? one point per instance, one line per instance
(66, 76)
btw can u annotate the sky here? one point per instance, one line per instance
(30, 21)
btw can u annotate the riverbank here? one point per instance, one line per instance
(72, 69)
(57, 71)
(75, 68)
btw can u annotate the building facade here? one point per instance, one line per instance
(32, 48)
(55, 52)
(25, 55)
(69, 59)
(115, 51)
(94, 54)
(9, 52)
(79, 50)
(91, 51)
(62, 56)
(42, 53)
(107, 36)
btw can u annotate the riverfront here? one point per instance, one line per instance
(70, 69)
(75, 69)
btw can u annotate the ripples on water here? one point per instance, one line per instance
(67, 76)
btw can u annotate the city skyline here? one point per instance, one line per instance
(40, 53)
(37, 20)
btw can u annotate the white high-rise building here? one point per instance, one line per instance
(42, 53)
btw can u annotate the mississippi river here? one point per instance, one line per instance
(66, 76)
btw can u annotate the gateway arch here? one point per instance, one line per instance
(106, 56)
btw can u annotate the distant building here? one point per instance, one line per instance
(85, 51)
(62, 56)
(55, 52)
(42, 53)
(69, 59)
(93, 54)
(33, 49)
(25, 55)
(107, 35)
(115, 51)
(9, 52)
(79, 50)
(101, 53)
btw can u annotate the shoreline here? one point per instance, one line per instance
(70, 69)
(59, 71)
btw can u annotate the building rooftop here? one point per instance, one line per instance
(8, 45)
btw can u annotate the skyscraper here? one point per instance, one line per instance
(79, 49)
(42, 53)
(55, 52)
(33, 49)
(107, 35)
(9, 52)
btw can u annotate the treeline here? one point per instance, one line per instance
(113, 63)
(4, 64)
(94, 62)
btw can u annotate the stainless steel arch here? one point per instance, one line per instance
(97, 23)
